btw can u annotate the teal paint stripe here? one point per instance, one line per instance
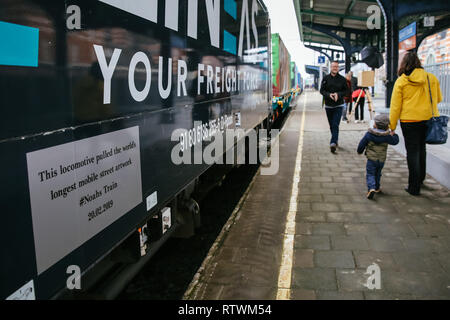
(19, 45)
(231, 8)
(229, 42)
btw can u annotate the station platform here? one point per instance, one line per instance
(309, 232)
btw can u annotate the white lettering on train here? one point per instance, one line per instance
(135, 93)
(107, 70)
(218, 80)
(148, 9)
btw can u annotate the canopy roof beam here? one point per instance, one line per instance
(332, 14)
(347, 12)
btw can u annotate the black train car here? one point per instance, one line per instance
(91, 92)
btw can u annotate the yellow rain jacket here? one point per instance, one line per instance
(410, 101)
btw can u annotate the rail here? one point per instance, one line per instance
(442, 72)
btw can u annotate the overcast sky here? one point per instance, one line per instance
(284, 22)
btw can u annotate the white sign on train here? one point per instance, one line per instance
(77, 189)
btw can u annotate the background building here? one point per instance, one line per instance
(435, 48)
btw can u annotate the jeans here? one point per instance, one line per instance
(334, 119)
(360, 106)
(373, 174)
(415, 134)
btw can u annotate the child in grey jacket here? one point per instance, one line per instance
(375, 142)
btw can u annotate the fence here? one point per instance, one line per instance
(442, 72)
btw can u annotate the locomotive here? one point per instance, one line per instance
(91, 92)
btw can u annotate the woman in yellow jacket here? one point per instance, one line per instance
(410, 103)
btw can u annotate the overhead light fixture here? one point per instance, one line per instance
(311, 3)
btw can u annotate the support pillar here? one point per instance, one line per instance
(392, 57)
(348, 57)
(389, 9)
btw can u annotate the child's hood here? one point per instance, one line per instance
(378, 136)
(378, 132)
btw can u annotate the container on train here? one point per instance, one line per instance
(281, 67)
(296, 77)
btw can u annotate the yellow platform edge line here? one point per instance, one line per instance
(285, 272)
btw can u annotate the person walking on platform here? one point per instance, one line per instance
(348, 98)
(359, 116)
(411, 104)
(375, 142)
(333, 89)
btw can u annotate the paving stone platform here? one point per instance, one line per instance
(338, 231)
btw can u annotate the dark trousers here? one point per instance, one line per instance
(334, 119)
(416, 155)
(373, 174)
(360, 106)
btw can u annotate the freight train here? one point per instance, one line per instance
(91, 92)
(287, 81)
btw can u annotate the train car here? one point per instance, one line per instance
(300, 82)
(281, 65)
(296, 77)
(286, 79)
(91, 94)
(281, 77)
(293, 75)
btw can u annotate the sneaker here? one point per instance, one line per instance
(356, 121)
(371, 193)
(333, 148)
(378, 190)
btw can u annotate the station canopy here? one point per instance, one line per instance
(323, 23)
(344, 23)
(346, 19)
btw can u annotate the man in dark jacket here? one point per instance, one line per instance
(334, 88)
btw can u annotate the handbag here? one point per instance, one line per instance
(437, 126)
